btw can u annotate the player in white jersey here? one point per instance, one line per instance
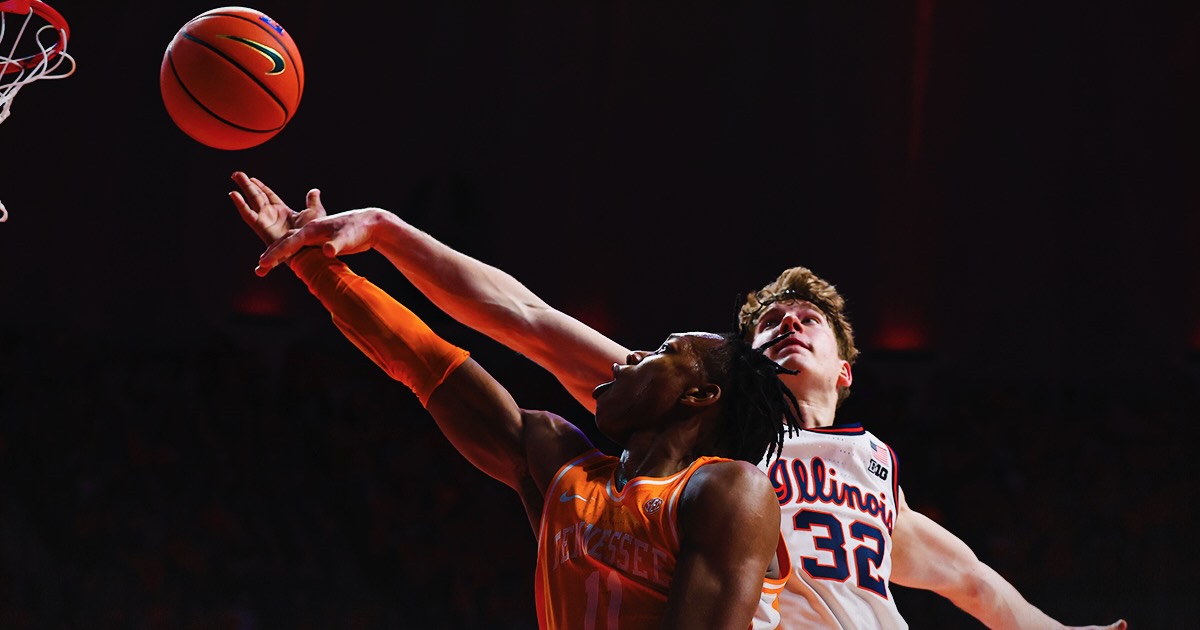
(838, 485)
(841, 574)
(837, 493)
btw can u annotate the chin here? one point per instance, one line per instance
(791, 361)
(607, 430)
(602, 426)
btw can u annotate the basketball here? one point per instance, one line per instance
(231, 78)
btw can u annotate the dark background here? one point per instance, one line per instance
(1005, 192)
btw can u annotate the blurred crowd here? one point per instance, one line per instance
(259, 477)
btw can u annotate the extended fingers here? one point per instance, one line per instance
(245, 211)
(282, 249)
(251, 190)
(271, 257)
(270, 195)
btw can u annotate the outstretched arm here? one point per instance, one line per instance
(477, 414)
(478, 295)
(926, 555)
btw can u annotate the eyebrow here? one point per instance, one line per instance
(805, 304)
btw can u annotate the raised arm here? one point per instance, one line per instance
(518, 448)
(926, 555)
(493, 302)
(476, 294)
(729, 530)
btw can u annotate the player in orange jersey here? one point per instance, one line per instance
(845, 554)
(679, 531)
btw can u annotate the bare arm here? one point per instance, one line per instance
(475, 412)
(478, 295)
(520, 448)
(729, 528)
(926, 555)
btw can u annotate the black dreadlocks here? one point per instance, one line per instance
(755, 400)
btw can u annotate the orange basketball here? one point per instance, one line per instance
(231, 78)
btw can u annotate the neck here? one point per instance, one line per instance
(816, 416)
(818, 401)
(653, 458)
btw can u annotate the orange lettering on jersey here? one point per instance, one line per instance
(620, 550)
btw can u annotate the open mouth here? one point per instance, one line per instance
(600, 389)
(604, 386)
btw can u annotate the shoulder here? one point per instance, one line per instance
(545, 427)
(539, 419)
(723, 484)
(729, 503)
(551, 441)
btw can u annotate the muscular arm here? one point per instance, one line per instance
(729, 530)
(478, 295)
(519, 448)
(927, 556)
(475, 412)
(493, 302)
(522, 449)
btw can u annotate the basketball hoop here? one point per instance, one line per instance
(39, 56)
(24, 60)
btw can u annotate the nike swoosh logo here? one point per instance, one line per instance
(567, 497)
(277, 63)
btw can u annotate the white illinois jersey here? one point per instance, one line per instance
(838, 498)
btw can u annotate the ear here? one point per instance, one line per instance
(702, 396)
(846, 375)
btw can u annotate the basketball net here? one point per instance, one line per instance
(25, 59)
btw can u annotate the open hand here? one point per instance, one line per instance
(343, 233)
(266, 213)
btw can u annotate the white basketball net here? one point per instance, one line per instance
(13, 76)
(48, 66)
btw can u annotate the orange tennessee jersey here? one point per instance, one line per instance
(606, 558)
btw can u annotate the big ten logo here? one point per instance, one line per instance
(877, 469)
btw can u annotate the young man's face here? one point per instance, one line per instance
(811, 349)
(649, 385)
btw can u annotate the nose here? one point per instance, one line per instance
(635, 357)
(789, 323)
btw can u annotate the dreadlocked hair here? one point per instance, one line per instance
(759, 410)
